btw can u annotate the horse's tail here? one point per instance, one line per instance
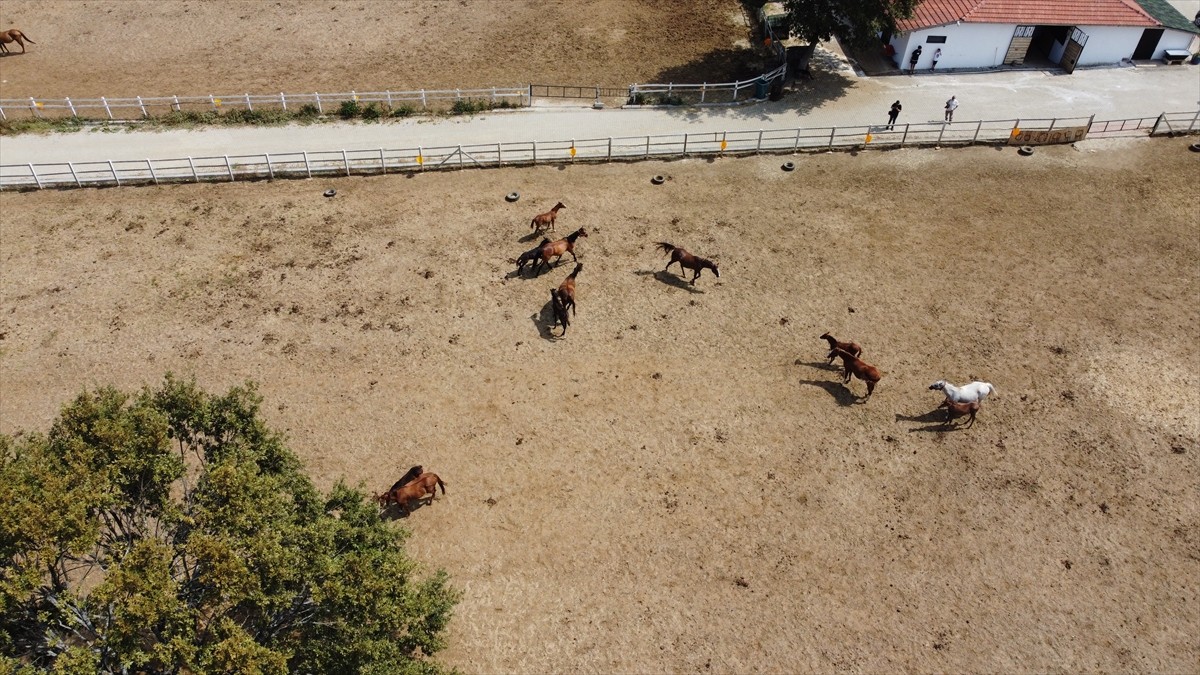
(665, 247)
(27, 38)
(442, 485)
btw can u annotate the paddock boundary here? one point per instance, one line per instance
(368, 162)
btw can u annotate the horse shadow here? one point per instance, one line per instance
(669, 279)
(837, 390)
(934, 420)
(530, 237)
(820, 365)
(394, 512)
(545, 323)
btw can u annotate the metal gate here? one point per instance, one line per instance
(1074, 48)
(1019, 46)
(573, 91)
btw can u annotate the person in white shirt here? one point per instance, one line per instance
(951, 106)
(937, 54)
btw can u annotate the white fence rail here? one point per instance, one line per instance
(142, 107)
(719, 93)
(382, 160)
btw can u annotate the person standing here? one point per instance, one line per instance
(893, 114)
(912, 61)
(951, 106)
(937, 54)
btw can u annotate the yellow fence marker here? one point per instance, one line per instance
(572, 151)
(420, 160)
(1016, 132)
(723, 146)
(869, 138)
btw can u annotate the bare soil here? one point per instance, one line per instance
(682, 483)
(129, 48)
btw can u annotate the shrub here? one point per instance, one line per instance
(403, 111)
(371, 111)
(308, 111)
(467, 106)
(349, 109)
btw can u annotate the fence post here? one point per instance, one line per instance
(249, 107)
(685, 140)
(346, 162)
(39, 180)
(72, 107)
(609, 148)
(1052, 121)
(213, 101)
(703, 91)
(758, 146)
(647, 146)
(389, 99)
(796, 144)
(2, 115)
(307, 168)
(424, 103)
(420, 158)
(942, 133)
(270, 169)
(905, 136)
(736, 86)
(195, 176)
(832, 132)
(460, 156)
(320, 110)
(499, 156)
(106, 108)
(143, 107)
(229, 168)
(978, 128)
(283, 101)
(493, 95)
(175, 103)
(74, 175)
(1093, 117)
(151, 168)
(33, 107)
(1191, 126)
(113, 170)
(382, 161)
(535, 152)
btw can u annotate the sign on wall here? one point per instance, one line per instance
(1051, 137)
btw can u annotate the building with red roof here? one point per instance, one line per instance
(976, 34)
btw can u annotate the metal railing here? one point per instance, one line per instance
(573, 91)
(144, 107)
(708, 93)
(404, 160)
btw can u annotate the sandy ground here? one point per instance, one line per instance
(132, 48)
(682, 484)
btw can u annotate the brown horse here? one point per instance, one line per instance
(561, 317)
(14, 35)
(685, 259)
(954, 409)
(852, 365)
(566, 290)
(559, 248)
(851, 347)
(425, 485)
(544, 221)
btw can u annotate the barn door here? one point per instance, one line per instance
(1019, 46)
(1074, 48)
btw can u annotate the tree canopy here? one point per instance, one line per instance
(171, 531)
(857, 21)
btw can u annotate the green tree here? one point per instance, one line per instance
(172, 531)
(856, 21)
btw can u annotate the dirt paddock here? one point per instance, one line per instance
(682, 484)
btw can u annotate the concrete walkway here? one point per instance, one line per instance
(832, 98)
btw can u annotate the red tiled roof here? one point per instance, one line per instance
(1029, 13)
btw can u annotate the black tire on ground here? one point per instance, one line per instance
(330, 192)
(788, 166)
(1025, 150)
(512, 197)
(657, 180)
(1194, 147)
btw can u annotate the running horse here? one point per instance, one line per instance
(558, 248)
(688, 261)
(14, 35)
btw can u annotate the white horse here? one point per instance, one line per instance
(968, 393)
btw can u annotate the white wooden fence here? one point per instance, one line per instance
(383, 160)
(142, 107)
(707, 93)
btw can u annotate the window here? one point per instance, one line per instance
(936, 39)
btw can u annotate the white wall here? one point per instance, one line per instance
(968, 45)
(1177, 39)
(1109, 44)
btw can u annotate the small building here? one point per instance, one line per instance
(1065, 33)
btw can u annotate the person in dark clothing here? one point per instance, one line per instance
(912, 61)
(893, 114)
